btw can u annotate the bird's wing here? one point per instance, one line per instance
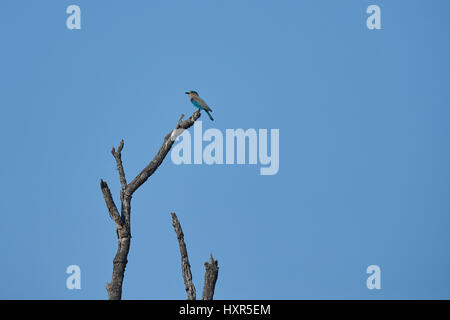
(196, 103)
(199, 102)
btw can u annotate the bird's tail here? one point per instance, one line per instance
(209, 115)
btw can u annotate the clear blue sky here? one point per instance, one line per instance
(364, 146)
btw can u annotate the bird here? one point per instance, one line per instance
(199, 102)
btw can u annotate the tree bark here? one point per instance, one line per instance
(122, 220)
(185, 265)
(211, 274)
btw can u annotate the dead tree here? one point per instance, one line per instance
(122, 219)
(211, 272)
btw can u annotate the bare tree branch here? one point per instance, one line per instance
(114, 288)
(169, 139)
(118, 156)
(112, 209)
(185, 266)
(211, 274)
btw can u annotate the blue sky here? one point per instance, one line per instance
(364, 160)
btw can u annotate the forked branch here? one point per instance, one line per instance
(122, 220)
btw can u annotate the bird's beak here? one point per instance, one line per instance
(187, 92)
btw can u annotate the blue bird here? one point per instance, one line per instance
(199, 102)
